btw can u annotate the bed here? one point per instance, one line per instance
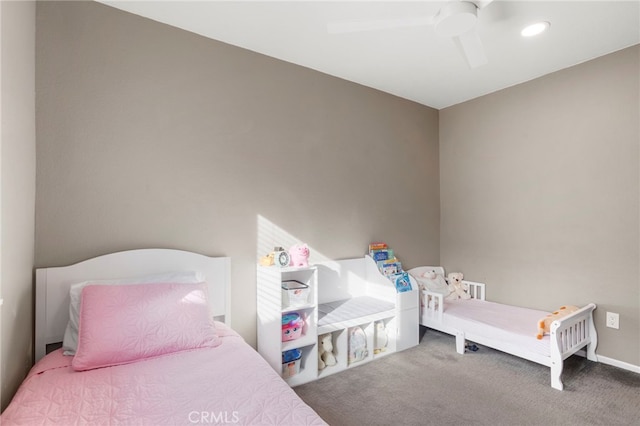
(507, 328)
(144, 354)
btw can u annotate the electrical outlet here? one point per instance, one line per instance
(613, 320)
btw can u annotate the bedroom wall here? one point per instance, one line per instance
(540, 194)
(150, 136)
(17, 191)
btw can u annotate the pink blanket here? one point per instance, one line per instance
(229, 384)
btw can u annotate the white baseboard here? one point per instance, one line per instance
(619, 364)
(613, 362)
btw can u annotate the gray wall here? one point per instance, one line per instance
(17, 188)
(540, 189)
(150, 136)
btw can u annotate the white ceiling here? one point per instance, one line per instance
(413, 63)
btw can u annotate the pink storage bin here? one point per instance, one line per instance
(291, 326)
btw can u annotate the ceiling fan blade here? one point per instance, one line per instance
(471, 47)
(377, 24)
(482, 3)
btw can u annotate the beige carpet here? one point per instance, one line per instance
(432, 385)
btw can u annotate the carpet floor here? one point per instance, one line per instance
(431, 384)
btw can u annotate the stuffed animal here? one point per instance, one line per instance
(381, 338)
(357, 345)
(434, 282)
(299, 254)
(457, 289)
(326, 358)
(545, 323)
(267, 260)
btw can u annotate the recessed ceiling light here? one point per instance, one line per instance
(535, 29)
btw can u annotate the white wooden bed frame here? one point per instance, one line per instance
(52, 284)
(568, 335)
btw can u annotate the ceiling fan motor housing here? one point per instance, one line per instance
(456, 18)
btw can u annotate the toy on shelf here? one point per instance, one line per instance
(299, 254)
(357, 345)
(281, 257)
(292, 325)
(266, 260)
(291, 362)
(545, 323)
(326, 358)
(381, 339)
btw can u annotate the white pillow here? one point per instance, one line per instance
(70, 340)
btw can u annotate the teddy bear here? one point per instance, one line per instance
(299, 254)
(326, 358)
(457, 289)
(434, 282)
(545, 323)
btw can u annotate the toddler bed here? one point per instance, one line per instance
(147, 350)
(509, 329)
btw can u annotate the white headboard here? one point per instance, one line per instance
(52, 284)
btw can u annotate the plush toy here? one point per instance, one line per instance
(434, 282)
(381, 338)
(457, 289)
(545, 323)
(267, 260)
(357, 345)
(299, 254)
(326, 358)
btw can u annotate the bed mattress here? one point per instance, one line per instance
(504, 323)
(227, 384)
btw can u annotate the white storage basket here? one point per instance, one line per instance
(294, 293)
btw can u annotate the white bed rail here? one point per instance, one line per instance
(433, 302)
(474, 289)
(568, 335)
(432, 305)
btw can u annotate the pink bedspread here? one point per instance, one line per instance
(229, 384)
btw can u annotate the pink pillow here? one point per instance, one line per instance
(121, 324)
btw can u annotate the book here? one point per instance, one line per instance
(389, 267)
(377, 246)
(382, 254)
(401, 282)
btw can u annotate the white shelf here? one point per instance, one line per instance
(307, 306)
(271, 308)
(303, 341)
(356, 321)
(332, 282)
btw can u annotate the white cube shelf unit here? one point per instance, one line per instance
(345, 295)
(271, 308)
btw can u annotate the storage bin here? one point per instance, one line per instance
(291, 362)
(291, 326)
(294, 293)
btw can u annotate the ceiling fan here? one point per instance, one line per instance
(456, 19)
